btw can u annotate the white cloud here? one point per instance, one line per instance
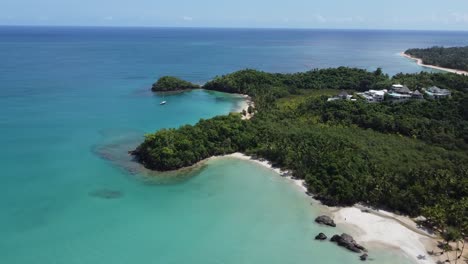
(338, 20)
(359, 19)
(354, 19)
(460, 17)
(343, 19)
(435, 18)
(319, 18)
(187, 18)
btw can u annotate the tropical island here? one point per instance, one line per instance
(409, 157)
(454, 59)
(172, 84)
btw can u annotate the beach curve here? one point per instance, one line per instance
(373, 228)
(420, 63)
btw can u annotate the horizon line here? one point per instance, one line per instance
(227, 27)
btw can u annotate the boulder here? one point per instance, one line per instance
(321, 236)
(348, 242)
(364, 257)
(325, 220)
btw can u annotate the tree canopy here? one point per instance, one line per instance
(453, 58)
(170, 83)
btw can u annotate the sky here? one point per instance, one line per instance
(343, 14)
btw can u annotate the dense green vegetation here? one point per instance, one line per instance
(442, 122)
(170, 149)
(409, 157)
(453, 58)
(169, 83)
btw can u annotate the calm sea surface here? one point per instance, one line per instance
(74, 100)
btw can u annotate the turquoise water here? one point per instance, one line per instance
(74, 100)
(231, 212)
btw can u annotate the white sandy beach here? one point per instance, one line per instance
(266, 164)
(420, 63)
(374, 229)
(246, 103)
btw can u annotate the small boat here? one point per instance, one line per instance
(163, 103)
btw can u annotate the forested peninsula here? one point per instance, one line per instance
(452, 58)
(409, 157)
(171, 84)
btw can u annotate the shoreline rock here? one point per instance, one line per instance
(348, 242)
(325, 220)
(321, 236)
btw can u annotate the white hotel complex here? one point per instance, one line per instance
(397, 93)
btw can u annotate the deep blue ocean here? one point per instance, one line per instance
(74, 100)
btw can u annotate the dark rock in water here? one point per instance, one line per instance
(325, 220)
(106, 194)
(348, 242)
(321, 236)
(364, 257)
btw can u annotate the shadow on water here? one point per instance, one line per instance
(114, 149)
(106, 194)
(142, 92)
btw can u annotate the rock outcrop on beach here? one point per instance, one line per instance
(320, 236)
(348, 242)
(364, 257)
(325, 220)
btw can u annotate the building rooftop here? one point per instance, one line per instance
(343, 93)
(404, 90)
(437, 90)
(378, 92)
(398, 95)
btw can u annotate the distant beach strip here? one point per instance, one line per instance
(420, 63)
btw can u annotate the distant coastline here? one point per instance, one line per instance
(420, 63)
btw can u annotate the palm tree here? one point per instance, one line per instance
(452, 234)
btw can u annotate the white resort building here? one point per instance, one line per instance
(435, 92)
(396, 93)
(417, 95)
(400, 93)
(341, 96)
(374, 96)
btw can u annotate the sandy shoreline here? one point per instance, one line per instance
(244, 106)
(373, 228)
(370, 229)
(420, 63)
